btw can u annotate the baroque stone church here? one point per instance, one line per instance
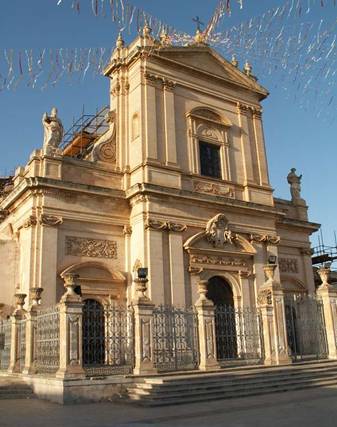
(177, 183)
(158, 217)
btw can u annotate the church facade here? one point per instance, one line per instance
(183, 161)
(176, 187)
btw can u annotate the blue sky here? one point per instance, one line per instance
(294, 137)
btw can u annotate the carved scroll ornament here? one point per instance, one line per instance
(155, 224)
(265, 238)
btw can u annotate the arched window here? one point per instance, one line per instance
(208, 144)
(135, 127)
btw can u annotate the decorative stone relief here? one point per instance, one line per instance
(306, 251)
(218, 232)
(288, 265)
(50, 220)
(105, 148)
(216, 189)
(265, 238)
(92, 248)
(218, 260)
(146, 340)
(265, 297)
(74, 328)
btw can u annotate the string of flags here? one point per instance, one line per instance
(283, 40)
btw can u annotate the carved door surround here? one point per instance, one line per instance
(207, 126)
(218, 251)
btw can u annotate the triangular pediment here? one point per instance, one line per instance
(208, 61)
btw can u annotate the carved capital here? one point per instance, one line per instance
(127, 230)
(169, 85)
(242, 108)
(155, 224)
(176, 228)
(50, 220)
(31, 221)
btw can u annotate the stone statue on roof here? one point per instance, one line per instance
(295, 185)
(53, 132)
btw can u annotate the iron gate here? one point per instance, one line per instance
(108, 340)
(238, 334)
(175, 338)
(305, 327)
(5, 343)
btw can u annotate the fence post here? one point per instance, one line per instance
(18, 314)
(143, 311)
(271, 302)
(29, 368)
(70, 308)
(206, 330)
(328, 294)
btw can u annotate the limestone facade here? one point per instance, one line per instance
(138, 197)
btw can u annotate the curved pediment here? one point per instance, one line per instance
(219, 237)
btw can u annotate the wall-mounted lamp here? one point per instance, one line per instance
(142, 273)
(272, 259)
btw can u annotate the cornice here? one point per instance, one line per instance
(148, 189)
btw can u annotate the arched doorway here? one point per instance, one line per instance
(93, 333)
(219, 291)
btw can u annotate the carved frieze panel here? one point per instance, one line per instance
(216, 189)
(265, 238)
(92, 248)
(288, 265)
(218, 260)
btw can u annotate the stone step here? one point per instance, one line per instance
(246, 374)
(186, 388)
(179, 398)
(11, 389)
(230, 381)
(140, 400)
(158, 393)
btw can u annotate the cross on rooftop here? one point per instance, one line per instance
(198, 22)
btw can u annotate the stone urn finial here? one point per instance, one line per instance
(70, 283)
(141, 288)
(20, 302)
(202, 291)
(324, 274)
(35, 295)
(120, 41)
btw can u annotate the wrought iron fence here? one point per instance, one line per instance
(305, 325)
(21, 344)
(47, 340)
(238, 334)
(175, 338)
(5, 343)
(108, 339)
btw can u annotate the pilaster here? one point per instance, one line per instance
(70, 309)
(18, 315)
(206, 329)
(328, 294)
(170, 124)
(247, 159)
(143, 312)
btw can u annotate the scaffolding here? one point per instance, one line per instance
(323, 254)
(78, 140)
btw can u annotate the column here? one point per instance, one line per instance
(328, 294)
(170, 124)
(47, 257)
(70, 331)
(177, 264)
(260, 147)
(150, 118)
(206, 330)
(271, 302)
(32, 313)
(247, 160)
(18, 315)
(143, 312)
